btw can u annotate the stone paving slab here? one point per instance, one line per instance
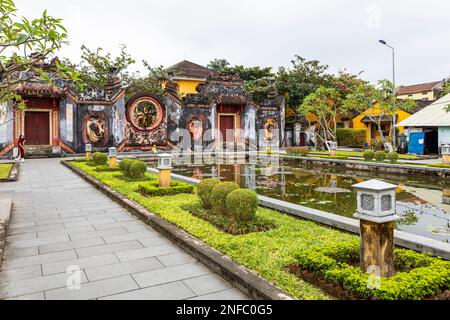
(60, 221)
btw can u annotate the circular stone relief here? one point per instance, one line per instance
(145, 113)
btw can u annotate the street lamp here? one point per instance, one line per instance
(394, 133)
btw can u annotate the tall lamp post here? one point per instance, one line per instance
(394, 120)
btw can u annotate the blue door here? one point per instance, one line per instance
(416, 143)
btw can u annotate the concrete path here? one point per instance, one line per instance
(63, 231)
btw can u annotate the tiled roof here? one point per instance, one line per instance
(418, 88)
(190, 70)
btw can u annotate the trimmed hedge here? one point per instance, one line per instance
(420, 275)
(100, 159)
(355, 138)
(204, 191)
(368, 155)
(242, 205)
(137, 170)
(393, 157)
(153, 189)
(125, 165)
(219, 196)
(106, 168)
(380, 156)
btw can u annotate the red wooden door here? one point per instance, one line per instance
(226, 123)
(37, 128)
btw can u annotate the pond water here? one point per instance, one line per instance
(422, 203)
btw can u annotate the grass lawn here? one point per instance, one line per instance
(266, 253)
(5, 169)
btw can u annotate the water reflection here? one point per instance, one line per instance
(423, 204)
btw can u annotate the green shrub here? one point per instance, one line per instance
(125, 165)
(242, 205)
(219, 196)
(106, 168)
(345, 137)
(420, 275)
(204, 191)
(368, 155)
(359, 139)
(380, 156)
(100, 159)
(393, 157)
(137, 170)
(153, 189)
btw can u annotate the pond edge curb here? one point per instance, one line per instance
(242, 278)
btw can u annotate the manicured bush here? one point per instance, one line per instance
(359, 139)
(368, 155)
(106, 168)
(219, 196)
(100, 159)
(392, 157)
(380, 156)
(125, 165)
(355, 138)
(420, 275)
(204, 191)
(345, 137)
(153, 189)
(242, 205)
(137, 170)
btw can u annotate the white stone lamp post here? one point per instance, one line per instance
(112, 155)
(445, 151)
(165, 170)
(377, 213)
(88, 149)
(333, 148)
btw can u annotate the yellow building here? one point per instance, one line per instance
(429, 91)
(187, 76)
(364, 121)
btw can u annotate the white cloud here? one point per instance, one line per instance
(342, 34)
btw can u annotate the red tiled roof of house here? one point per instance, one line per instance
(418, 88)
(190, 70)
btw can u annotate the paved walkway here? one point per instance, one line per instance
(61, 222)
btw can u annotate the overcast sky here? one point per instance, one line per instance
(342, 34)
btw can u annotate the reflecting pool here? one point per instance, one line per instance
(422, 203)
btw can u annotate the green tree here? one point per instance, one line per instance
(24, 45)
(302, 79)
(218, 65)
(97, 67)
(258, 81)
(151, 82)
(378, 103)
(324, 105)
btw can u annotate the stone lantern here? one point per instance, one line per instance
(377, 214)
(333, 148)
(165, 170)
(88, 149)
(445, 151)
(112, 155)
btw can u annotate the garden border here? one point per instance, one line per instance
(14, 174)
(402, 239)
(241, 277)
(6, 206)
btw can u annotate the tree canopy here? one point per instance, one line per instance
(25, 45)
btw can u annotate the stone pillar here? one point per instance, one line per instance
(376, 211)
(445, 151)
(112, 155)
(165, 170)
(88, 149)
(377, 243)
